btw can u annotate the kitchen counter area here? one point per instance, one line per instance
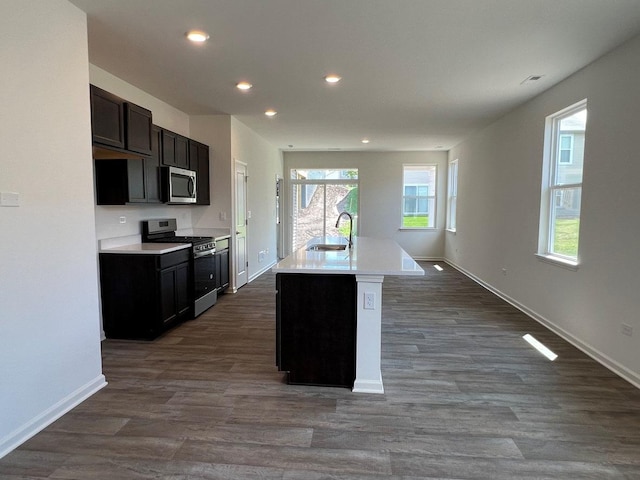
(329, 309)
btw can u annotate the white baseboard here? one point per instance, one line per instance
(429, 259)
(260, 272)
(601, 358)
(46, 418)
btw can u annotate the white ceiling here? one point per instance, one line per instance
(416, 74)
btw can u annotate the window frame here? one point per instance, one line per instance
(452, 194)
(431, 197)
(551, 187)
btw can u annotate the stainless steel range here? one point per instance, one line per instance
(203, 250)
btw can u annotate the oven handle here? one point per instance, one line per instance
(206, 253)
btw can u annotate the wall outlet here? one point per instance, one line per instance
(627, 330)
(504, 271)
(123, 219)
(223, 216)
(369, 301)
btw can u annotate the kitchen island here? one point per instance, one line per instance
(329, 310)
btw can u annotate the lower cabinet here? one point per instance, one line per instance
(144, 295)
(222, 265)
(316, 328)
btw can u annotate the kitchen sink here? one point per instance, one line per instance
(326, 247)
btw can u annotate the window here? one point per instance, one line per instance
(562, 184)
(317, 198)
(452, 195)
(419, 196)
(565, 149)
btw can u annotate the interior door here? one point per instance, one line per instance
(241, 263)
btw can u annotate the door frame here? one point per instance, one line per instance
(237, 280)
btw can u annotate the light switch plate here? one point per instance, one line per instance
(9, 199)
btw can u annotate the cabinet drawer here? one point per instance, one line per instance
(174, 258)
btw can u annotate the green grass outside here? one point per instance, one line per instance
(415, 222)
(565, 239)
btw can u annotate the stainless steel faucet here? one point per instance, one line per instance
(350, 225)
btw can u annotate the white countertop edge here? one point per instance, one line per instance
(147, 248)
(369, 256)
(404, 273)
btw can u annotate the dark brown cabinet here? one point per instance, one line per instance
(107, 118)
(199, 162)
(316, 328)
(129, 152)
(138, 123)
(132, 180)
(144, 295)
(222, 264)
(175, 150)
(118, 124)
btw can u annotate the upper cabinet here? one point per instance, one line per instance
(138, 128)
(130, 152)
(107, 118)
(175, 150)
(199, 162)
(117, 123)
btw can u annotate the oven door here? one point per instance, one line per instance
(204, 280)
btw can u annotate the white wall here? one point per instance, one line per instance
(264, 162)
(215, 131)
(380, 175)
(500, 173)
(49, 318)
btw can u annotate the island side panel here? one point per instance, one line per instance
(316, 328)
(369, 335)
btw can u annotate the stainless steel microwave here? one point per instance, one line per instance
(179, 185)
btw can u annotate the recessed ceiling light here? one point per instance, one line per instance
(270, 113)
(244, 86)
(197, 36)
(332, 78)
(365, 140)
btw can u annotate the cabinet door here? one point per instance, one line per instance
(183, 300)
(138, 128)
(174, 292)
(223, 260)
(137, 192)
(182, 152)
(316, 328)
(107, 118)
(168, 300)
(168, 150)
(152, 167)
(199, 161)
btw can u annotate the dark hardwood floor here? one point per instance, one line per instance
(466, 398)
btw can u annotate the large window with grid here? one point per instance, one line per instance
(562, 184)
(419, 196)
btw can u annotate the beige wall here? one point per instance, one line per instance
(264, 162)
(500, 176)
(49, 317)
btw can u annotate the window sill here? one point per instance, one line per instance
(560, 262)
(416, 229)
(451, 230)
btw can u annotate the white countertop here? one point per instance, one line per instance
(369, 256)
(147, 248)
